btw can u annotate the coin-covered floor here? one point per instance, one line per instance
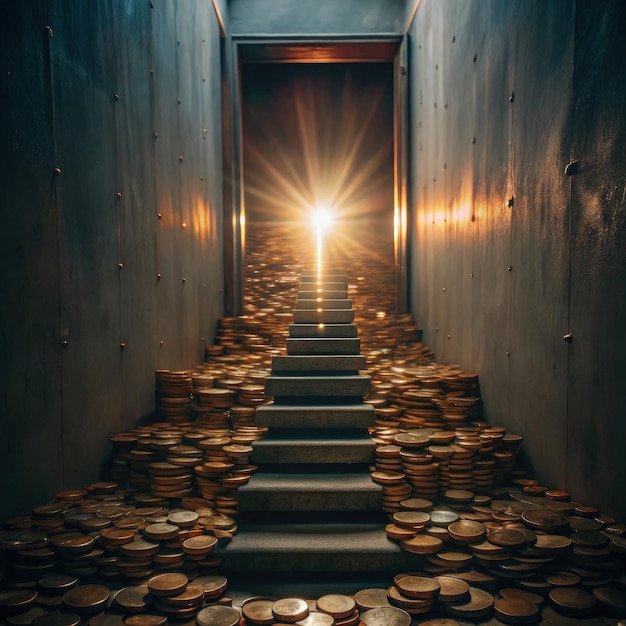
(141, 547)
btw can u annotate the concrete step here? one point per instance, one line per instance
(336, 416)
(310, 492)
(323, 293)
(317, 386)
(298, 548)
(330, 277)
(323, 303)
(341, 363)
(358, 448)
(323, 330)
(324, 346)
(328, 316)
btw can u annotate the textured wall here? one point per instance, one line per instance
(508, 253)
(123, 97)
(285, 17)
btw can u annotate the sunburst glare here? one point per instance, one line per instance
(318, 150)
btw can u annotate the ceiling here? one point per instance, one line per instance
(354, 51)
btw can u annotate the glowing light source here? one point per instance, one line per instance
(322, 219)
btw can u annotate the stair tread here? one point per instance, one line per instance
(287, 482)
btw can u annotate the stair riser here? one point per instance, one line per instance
(330, 316)
(325, 293)
(336, 364)
(315, 303)
(316, 386)
(316, 417)
(298, 500)
(300, 453)
(323, 346)
(323, 330)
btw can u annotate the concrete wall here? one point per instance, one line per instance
(123, 98)
(315, 17)
(508, 253)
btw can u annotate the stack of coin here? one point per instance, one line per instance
(252, 395)
(242, 417)
(388, 417)
(213, 351)
(173, 394)
(170, 481)
(201, 380)
(456, 410)
(414, 594)
(120, 461)
(419, 408)
(76, 552)
(422, 472)
(460, 474)
(394, 495)
(388, 458)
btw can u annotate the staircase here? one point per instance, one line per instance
(312, 513)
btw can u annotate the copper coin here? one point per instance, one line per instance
(201, 544)
(146, 619)
(258, 611)
(399, 532)
(73, 543)
(17, 599)
(57, 583)
(452, 589)
(134, 599)
(213, 585)
(563, 579)
(467, 531)
(139, 548)
(117, 536)
(506, 537)
(411, 518)
(168, 584)
(218, 616)
(386, 616)
(161, 531)
(543, 519)
(479, 605)
(337, 605)
(515, 611)
(290, 610)
(192, 596)
(183, 519)
(88, 599)
(315, 618)
(571, 601)
(422, 544)
(371, 598)
(416, 504)
(552, 542)
(460, 496)
(413, 606)
(419, 587)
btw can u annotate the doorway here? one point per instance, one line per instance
(319, 133)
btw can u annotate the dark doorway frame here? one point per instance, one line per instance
(290, 49)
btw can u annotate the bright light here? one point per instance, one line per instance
(322, 219)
